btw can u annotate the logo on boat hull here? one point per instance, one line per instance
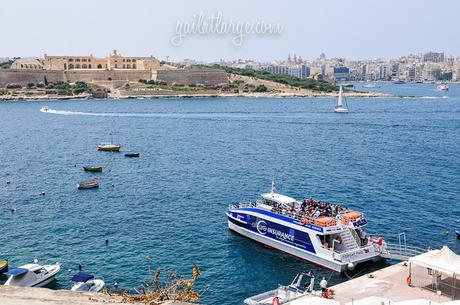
(262, 227)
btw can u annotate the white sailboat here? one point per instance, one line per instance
(341, 106)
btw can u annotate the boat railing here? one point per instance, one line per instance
(350, 256)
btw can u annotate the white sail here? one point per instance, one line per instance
(340, 108)
(340, 101)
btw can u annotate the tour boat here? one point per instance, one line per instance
(328, 235)
(92, 169)
(442, 87)
(301, 286)
(87, 282)
(108, 146)
(45, 109)
(132, 155)
(32, 275)
(3, 266)
(341, 107)
(88, 185)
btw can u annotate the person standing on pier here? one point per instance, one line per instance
(323, 285)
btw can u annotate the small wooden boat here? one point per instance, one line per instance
(3, 266)
(132, 155)
(108, 146)
(88, 185)
(92, 169)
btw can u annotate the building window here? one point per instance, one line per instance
(84, 66)
(128, 60)
(99, 66)
(89, 66)
(77, 66)
(77, 60)
(134, 60)
(65, 66)
(123, 60)
(116, 66)
(70, 60)
(134, 66)
(71, 66)
(22, 66)
(128, 66)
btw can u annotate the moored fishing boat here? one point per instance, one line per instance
(32, 275)
(87, 282)
(88, 185)
(92, 169)
(328, 235)
(3, 266)
(108, 146)
(132, 155)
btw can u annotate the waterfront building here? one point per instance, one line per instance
(383, 72)
(299, 71)
(114, 61)
(433, 57)
(26, 64)
(341, 73)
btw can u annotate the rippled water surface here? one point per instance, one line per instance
(397, 160)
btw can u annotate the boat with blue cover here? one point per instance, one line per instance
(328, 235)
(87, 282)
(32, 275)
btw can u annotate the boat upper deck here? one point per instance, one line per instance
(307, 211)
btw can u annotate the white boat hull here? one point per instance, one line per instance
(332, 265)
(341, 110)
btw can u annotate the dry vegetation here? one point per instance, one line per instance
(173, 287)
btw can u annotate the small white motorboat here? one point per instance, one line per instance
(87, 282)
(442, 87)
(32, 275)
(45, 109)
(301, 286)
(341, 107)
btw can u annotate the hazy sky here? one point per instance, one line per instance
(353, 29)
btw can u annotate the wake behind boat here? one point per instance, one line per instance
(32, 275)
(328, 235)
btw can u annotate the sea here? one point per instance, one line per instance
(397, 160)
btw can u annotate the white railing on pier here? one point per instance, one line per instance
(400, 252)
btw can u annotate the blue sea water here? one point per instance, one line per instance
(396, 159)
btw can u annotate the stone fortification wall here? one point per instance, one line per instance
(206, 77)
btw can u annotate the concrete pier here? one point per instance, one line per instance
(389, 282)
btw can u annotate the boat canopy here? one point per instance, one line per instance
(278, 198)
(17, 272)
(82, 277)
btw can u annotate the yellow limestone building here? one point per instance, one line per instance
(114, 61)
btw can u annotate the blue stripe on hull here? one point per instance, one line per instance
(275, 231)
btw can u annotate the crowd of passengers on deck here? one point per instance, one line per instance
(310, 209)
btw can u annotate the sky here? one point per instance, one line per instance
(354, 29)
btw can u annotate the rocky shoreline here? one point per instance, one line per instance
(195, 95)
